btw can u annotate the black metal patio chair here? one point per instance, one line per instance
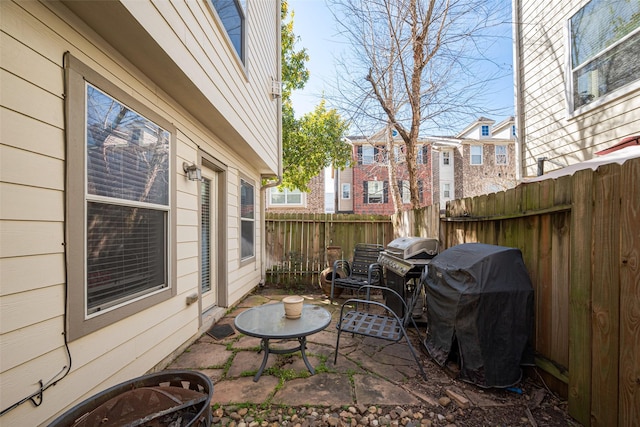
(362, 270)
(364, 316)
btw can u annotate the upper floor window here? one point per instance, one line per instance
(368, 154)
(484, 130)
(446, 158)
(285, 197)
(476, 154)
(346, 191)
(422, 154)
(247, 219)
(501, 154)
(231, 14)
(604, 45)
(513, 130)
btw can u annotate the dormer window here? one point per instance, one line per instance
(484, 130)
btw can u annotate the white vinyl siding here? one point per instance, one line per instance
(35, 36)
(548, 129)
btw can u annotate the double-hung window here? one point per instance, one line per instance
(501, 154)
(368, 154)
(232, 16)
(446, 158)
(119, 174)
(375, 192)
(346, 191)
(476, 154)
(247, 219)
(604, 46)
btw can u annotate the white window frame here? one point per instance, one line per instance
(368, 154)
(472, 155)
(446, 190)
(405, 191)
(287, 194)
(503, 155)
(446, 158)
(345, 192)
(378, 187)
(572, 110)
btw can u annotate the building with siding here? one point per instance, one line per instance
(135, 139)
(576, 78)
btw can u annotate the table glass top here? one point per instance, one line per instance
(269, 321)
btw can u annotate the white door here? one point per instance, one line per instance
(208, 242)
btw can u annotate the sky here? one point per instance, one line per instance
(314, 24)
(317, 31)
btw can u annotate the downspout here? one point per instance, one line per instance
(277, 180)
(518, 90)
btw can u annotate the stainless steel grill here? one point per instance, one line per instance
(407, 253)
(404, 260)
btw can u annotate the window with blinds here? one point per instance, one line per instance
(604, 44)
(205, 237)
(127, 203)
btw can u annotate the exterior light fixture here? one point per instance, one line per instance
(193, 172)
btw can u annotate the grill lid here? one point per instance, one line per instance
(413, 247)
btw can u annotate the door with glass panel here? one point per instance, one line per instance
(208, 253)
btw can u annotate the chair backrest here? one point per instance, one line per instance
(364, 254)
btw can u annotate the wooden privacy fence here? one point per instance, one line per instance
(580, 239)
(296, 244)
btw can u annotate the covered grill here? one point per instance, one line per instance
(404, 260)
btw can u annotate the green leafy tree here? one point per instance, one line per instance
(316, 140)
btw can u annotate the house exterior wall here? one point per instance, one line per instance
(344, 177)
(488, 177)
(176, 60)
(378, 171)
(546, 125)
(313, 200)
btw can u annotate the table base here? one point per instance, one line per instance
(264, 344)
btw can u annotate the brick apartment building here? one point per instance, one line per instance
(364, 188)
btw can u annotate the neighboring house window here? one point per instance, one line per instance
(120, 210)
(367, 154)
(286, 197)
(446, 191)
(422, 154)
(476, 154)
(231, 14)
(346, 191)
(247, 219)
(604, 45)
(501, 154)
(513, 130)
(484, 130)
(446, 158)
(405, 193)
(399, 153)
(375, 192)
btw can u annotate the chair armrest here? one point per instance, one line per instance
(375, 269)
(341, 264)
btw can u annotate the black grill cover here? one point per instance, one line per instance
(480, 313)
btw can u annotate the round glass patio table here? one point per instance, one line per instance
(269, 322)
